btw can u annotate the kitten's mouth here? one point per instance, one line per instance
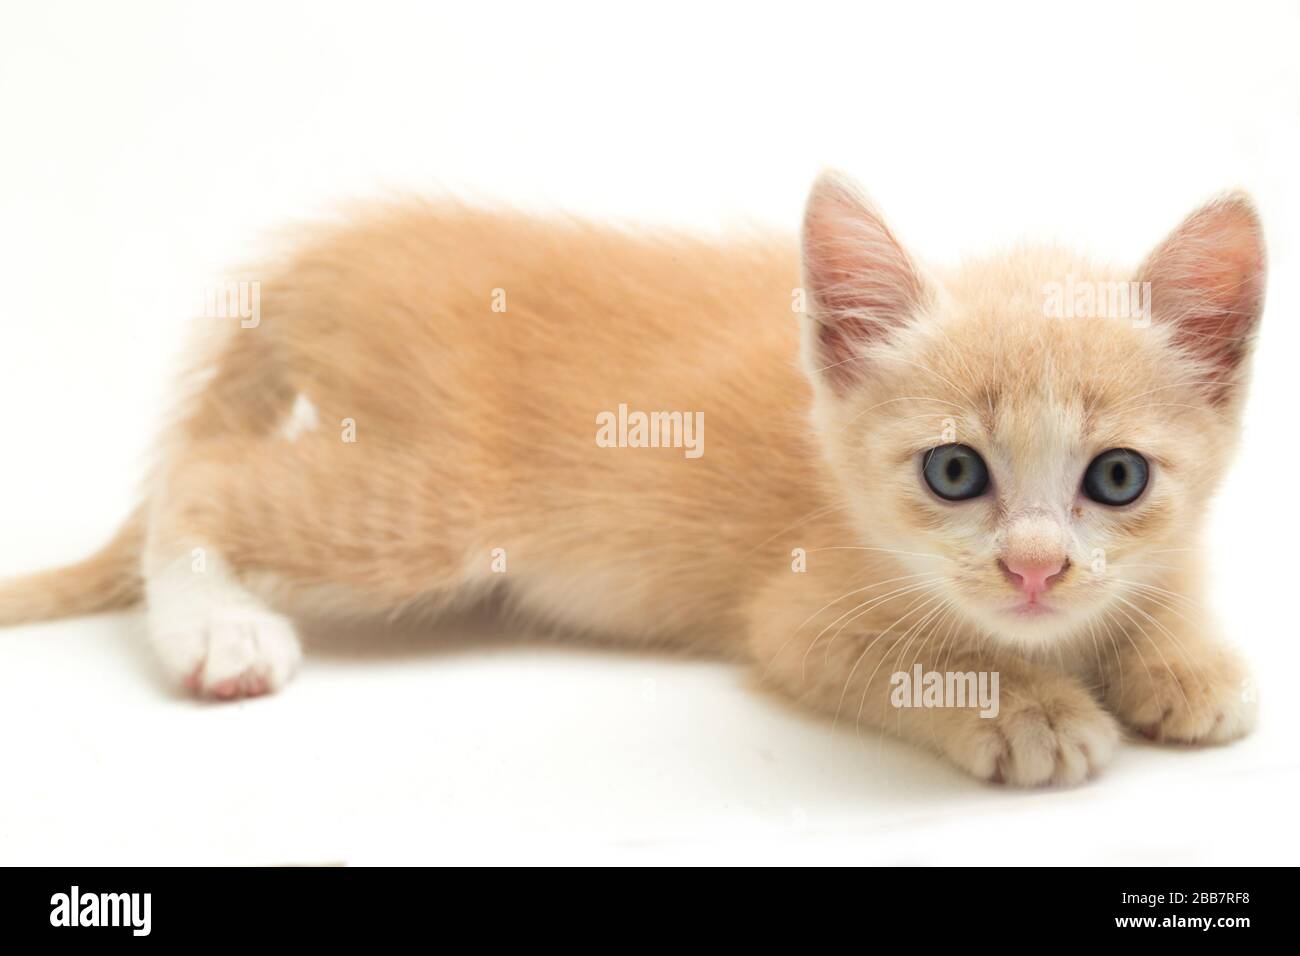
(1031, 608)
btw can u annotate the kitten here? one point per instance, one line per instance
(435, 403)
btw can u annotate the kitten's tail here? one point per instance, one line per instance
(108, 580)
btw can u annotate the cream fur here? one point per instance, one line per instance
(475, 445)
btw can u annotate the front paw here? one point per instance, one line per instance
(1048, 730)
(1208, 698)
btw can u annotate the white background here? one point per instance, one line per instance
(146, 146)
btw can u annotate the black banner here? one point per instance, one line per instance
(342, 905)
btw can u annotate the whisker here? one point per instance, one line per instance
(853, 670)
(885, 655)
(917, 630)
(1161, 592)
(816, 513)
(1178, 645)
(911, 554)
(1156, 647)
(863, 608)
(780, 650)
(902, 398)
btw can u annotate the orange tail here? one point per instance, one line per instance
(106, 581)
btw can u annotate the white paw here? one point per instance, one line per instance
(248, 652)
(1043, 735)
(216, 638)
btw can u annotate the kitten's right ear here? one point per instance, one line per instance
(859, 281)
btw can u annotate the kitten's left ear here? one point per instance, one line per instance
(1207, 280)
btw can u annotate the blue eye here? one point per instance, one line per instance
(955, 472)
(1116, 477)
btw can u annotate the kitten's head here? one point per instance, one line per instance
(1036, 433)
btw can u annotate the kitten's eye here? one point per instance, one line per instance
(955, 472)
(1116, 477)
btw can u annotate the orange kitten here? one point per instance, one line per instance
(970, 518)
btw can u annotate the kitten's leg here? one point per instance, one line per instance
(242, 525)
(1047, 729)
(1175, 681)
(210, 631)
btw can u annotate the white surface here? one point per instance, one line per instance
(146, 146)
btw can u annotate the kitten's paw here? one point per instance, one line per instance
(237, 651)
(212, 634)
(1049, 733)
(1205, 699)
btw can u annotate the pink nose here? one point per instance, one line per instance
(1033, 577)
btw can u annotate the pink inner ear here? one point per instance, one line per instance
(860, 280)
(1207, 279)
